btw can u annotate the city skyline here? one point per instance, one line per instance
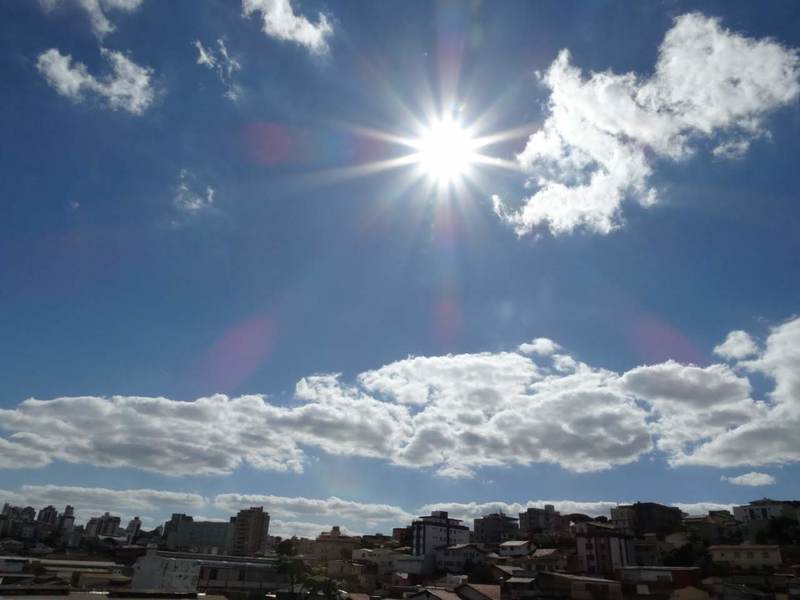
(355, 263)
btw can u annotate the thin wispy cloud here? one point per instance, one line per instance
(188, 200)
(605, 133)
(127, 87)
(220, 61)
(97, 10)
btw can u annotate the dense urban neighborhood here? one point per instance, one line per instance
(640, 550)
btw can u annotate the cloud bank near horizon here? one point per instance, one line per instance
(452, 414)
(300, 516)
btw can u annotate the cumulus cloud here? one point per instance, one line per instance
(281, 23)
(128, 87)
(772, 438)
(693, 404)
(541, 346)
(221, 62)
(453, 414)
(187, 199)
(605, 131)
(299, 508)
(96, 10)
(736, 346)
(751, 479)
(305, 529)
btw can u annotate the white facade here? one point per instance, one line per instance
(747, 555)
(154, 572)
(383, 558)
(515, 548)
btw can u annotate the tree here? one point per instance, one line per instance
(286, 548)
(782, 530)
(295, 571)
(322, 586)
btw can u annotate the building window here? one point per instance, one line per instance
(212, 574)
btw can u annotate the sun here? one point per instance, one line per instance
(445, 150)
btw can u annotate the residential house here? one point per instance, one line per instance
(516, 548)
(657, 581)
(548, 559)
(746, 556)
(575, 587)
(460, 558)
(477, 591)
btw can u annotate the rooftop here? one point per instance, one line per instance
(744, 547)
(488, 590)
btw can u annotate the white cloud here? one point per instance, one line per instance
(603, 133)
(207, 436)
(731, 149)
(222, 63)
(21, 455)
(127, 87)
(96, 10)
(772, 438)
(91, 501)
(693, 404)
(333, 509)
(304, 529)
(301, 516)
(541, 346)
(469, 511)
(188, 200)
(701, 508)
(752, 479)
(453, 414)
(281, 23)
(736, 346)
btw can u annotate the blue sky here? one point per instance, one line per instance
(197, 237)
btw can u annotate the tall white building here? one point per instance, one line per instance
(435, 531)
